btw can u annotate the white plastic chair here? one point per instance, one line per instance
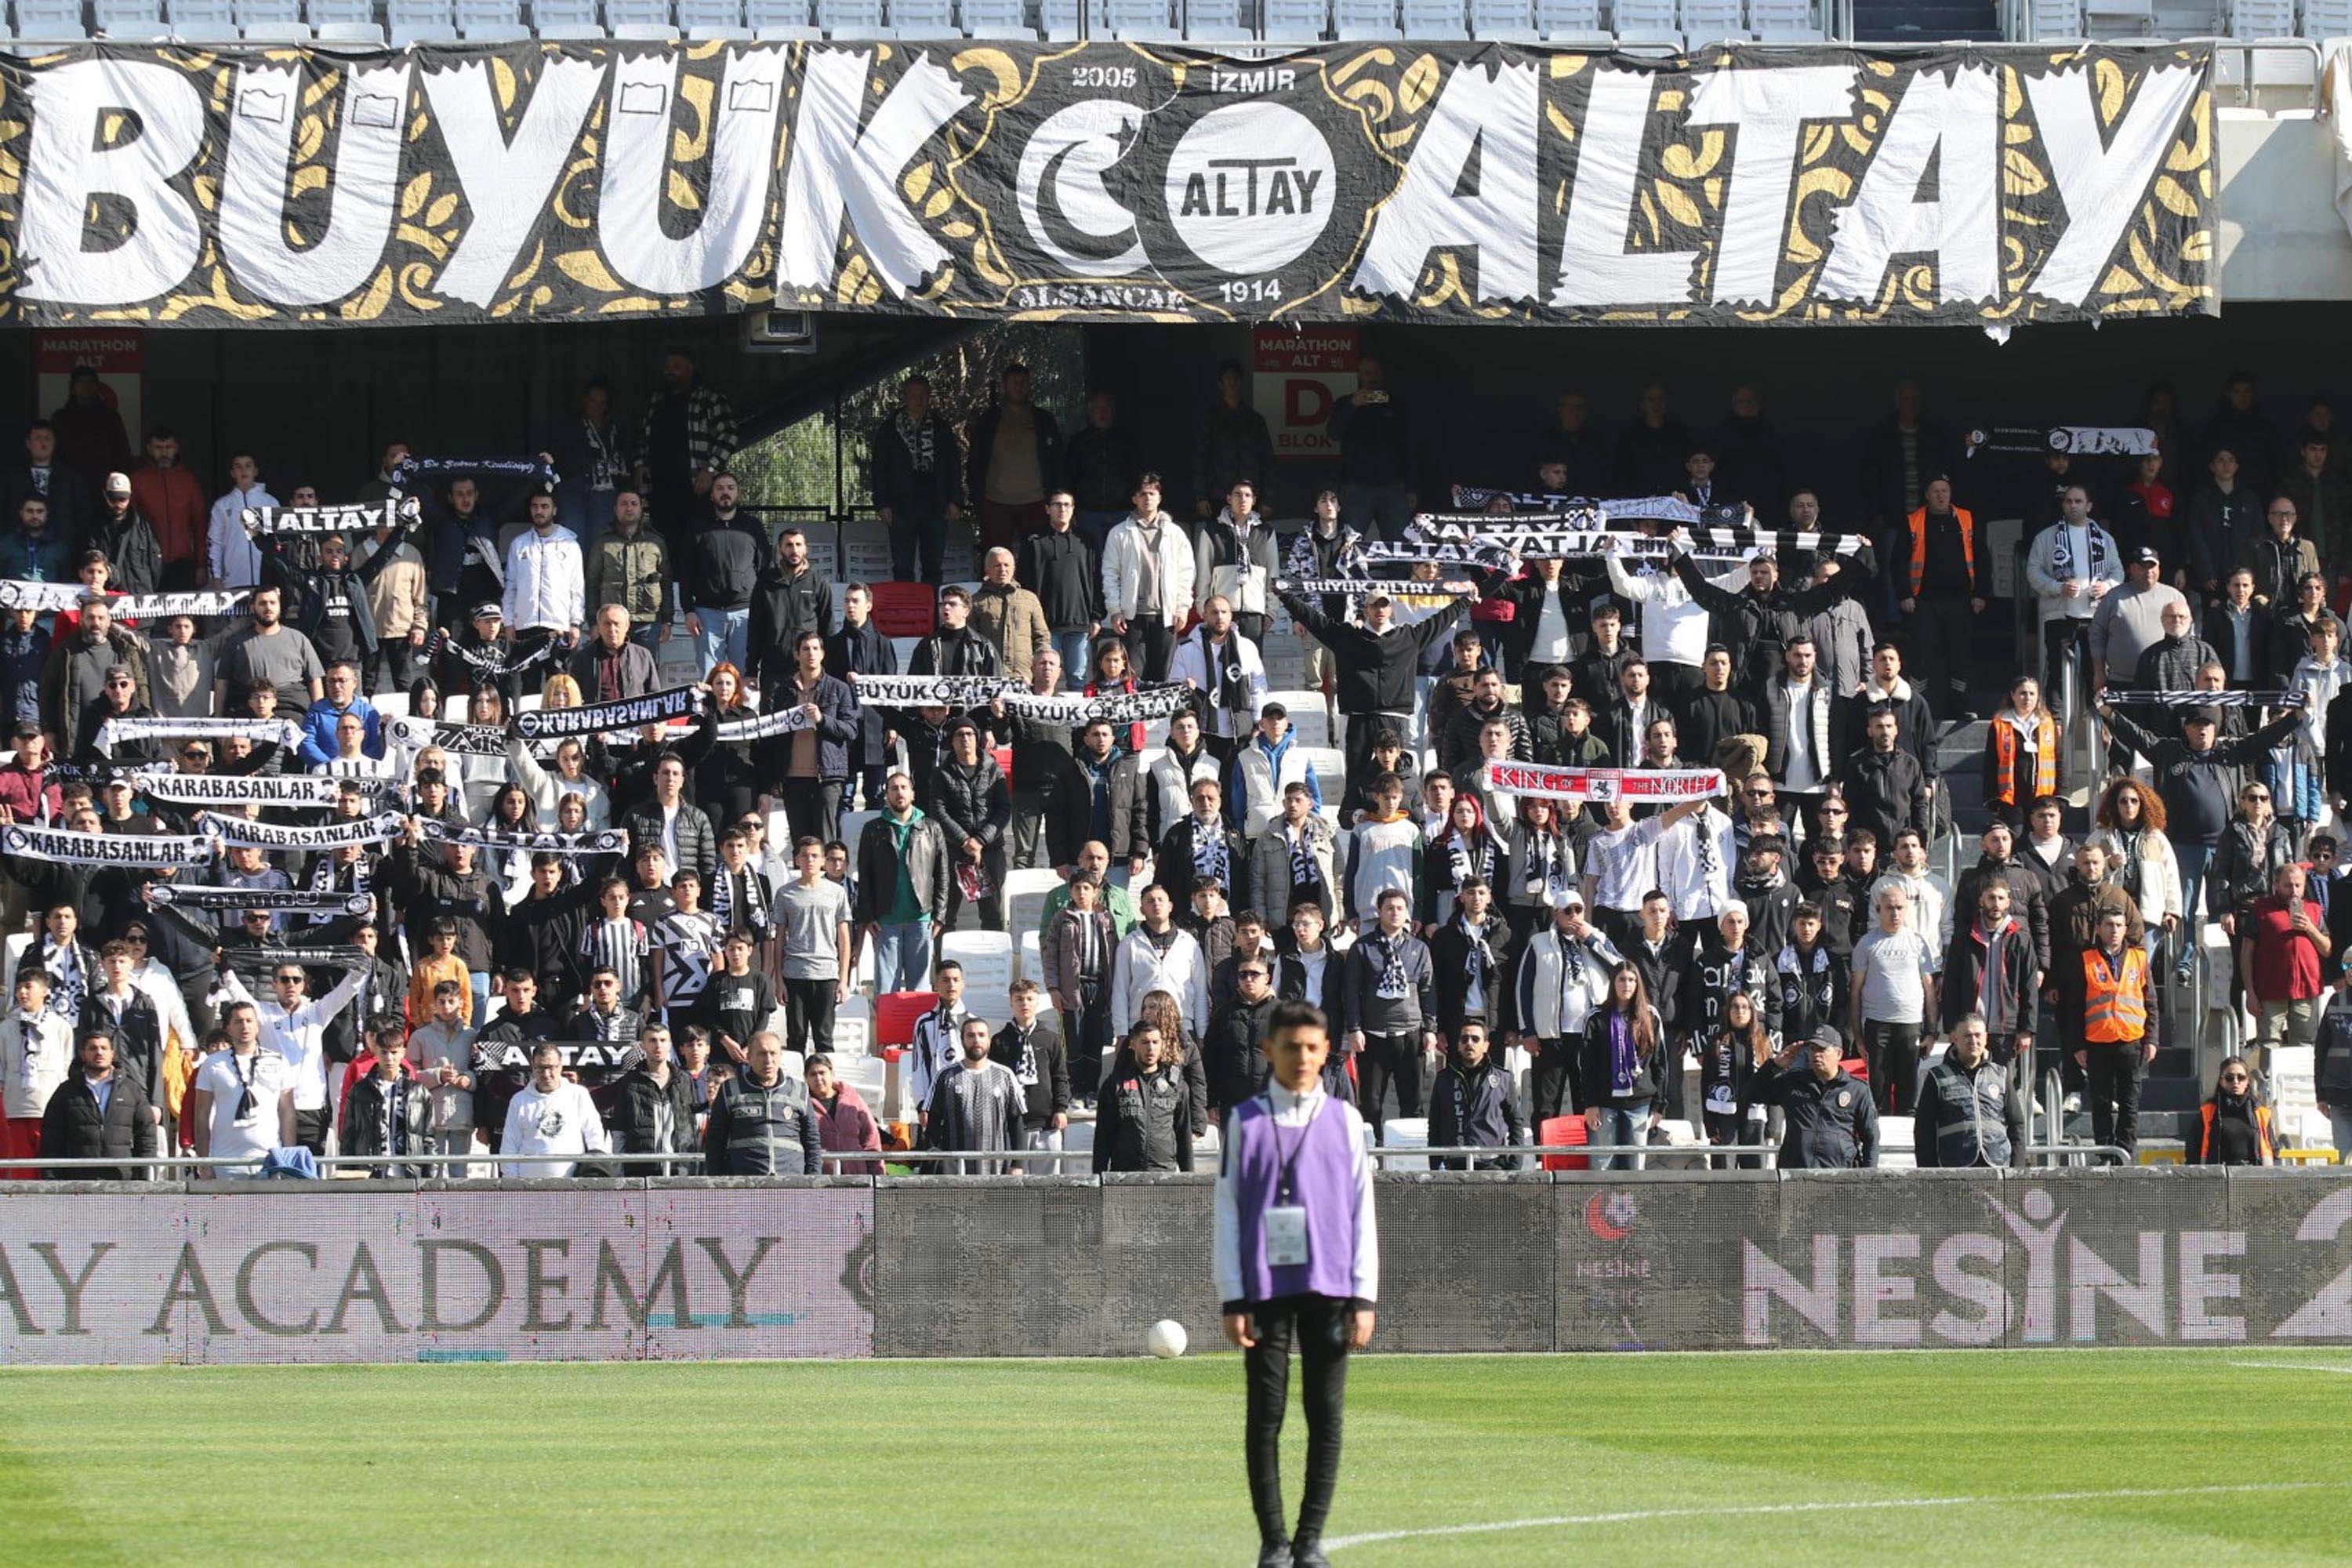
(780, 20)
(350, 36)
(1503, 21)
(1213, 21)
(491, 21)
(1027, 889)
(1578, 21)
(1289, 21)
(1439, 21)
(2056, 18)
(1712, 21)
(922, 19)
(567, 19)
(1365, 21)
(50, 19)
(1002, 19)
(129, 19)
(852, 19)
(644, 20)
(420, 22)
(987, 957)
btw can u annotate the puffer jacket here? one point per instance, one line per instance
(974, 802)
(634, 1118)
(73, 1127)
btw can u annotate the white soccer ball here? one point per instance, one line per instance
(1166, 1339)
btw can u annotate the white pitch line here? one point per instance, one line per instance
(1638, 1516)
(2296, 1366)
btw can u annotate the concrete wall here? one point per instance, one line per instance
(964, 1267)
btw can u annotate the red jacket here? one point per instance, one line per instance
(27, 798)
(174, 506)
(846, 1128)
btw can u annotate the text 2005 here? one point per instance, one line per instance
(1102, 75)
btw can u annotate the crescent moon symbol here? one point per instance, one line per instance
(1598, 1224)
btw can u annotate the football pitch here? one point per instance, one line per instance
(2049, 1456)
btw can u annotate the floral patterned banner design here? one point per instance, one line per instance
(170, 185)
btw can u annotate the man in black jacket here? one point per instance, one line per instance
(385, 1112)
(1475, 949)
(1831, 1124)
(1886, 788)
(1471, 1105)
(1236, 1067)
(502, 1052)
(860, 648)
(1376, 662)
(917, 466)
(135, 560)
(77, 1125)
(1968, 1112)
(718, 570)
(1065, 571)
(793, 596)
(544, 932)
(1102, 460)
(758, 1126)
(1039, 1061)
(653, 1110)
(954, 648)
(973, 806)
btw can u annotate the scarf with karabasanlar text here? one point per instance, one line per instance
(311, 790)
(71, 848)
(243, 832)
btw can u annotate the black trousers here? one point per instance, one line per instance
(812, 809)
(1935, 651)
(311, 1127)
(913, 537)
(1555, 1084)
(1150, 647)
(393, 665)
(1089, 1038)
(1318, 1326)
(1386, 1059)
(1893, 1052)
(2114, 1071)
(808, 1014)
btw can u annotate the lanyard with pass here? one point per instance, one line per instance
(1286, 1222)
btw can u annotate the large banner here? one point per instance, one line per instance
(174, 186)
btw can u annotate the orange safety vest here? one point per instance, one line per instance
(2263, 1149)
(2004, 760)
(2115, 1005)
(1968, 522)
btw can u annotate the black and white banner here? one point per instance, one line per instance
(458, 739)
(415, 467)
(44, 598)
(244, 833)
(1395, 587)
(266, 956)
(1582, 511)
(2125, 698)
(203, 606)
(597, 718)
(782, 722)
(311, 790)
(1743, 540)
(1439, 182)
(2076, 440)
(300, 899)
(1114, 708)
(261, 731)
(1459, 552)
(349, 520)
(935, 690)
(73, 848)
(601, 841)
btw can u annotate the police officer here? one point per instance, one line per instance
(1969, 1112)
(1831, 1123)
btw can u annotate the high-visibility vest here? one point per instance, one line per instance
(2004, 760)
(2115, 1002)
(2263, 1149)
(1968, 522)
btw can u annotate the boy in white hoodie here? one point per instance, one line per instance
(2298, 771)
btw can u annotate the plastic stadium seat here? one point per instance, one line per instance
(1783, 21)
(1297, 21)
(351, 35)
(1059, 20)
(50, 19)
(1578, 21)
(646, 21)
(896, 1013)
(1212, 21)
(852, 19)
(210, 17)
(129, 19)
(1141, 21)
(567, 19)
(1368, 21)
(712, 19)
(206, 34)
(277, 32)
(987, 957)
(420, 22)
(1027, 890)
(921, 19)
(1712, 21)
(1504, 21)
(2112, 18)
(1003, 19)
(2056, 18)
(265, 12)
(490, 21)
(780, 20)
(906, 609)
(1440, 21)
(2263, 19)
(2326, 19)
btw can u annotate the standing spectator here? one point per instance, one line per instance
(2238, 630)
(843, 1125)
(96, 1113)
(2106, 989)
(1049, 816)
(91, 438)
(717, 573)
(2323, 504)
(1968, 1114)
(683, 444)
(2072, 565)
(546, 596)
(2224, 517)
(2238, 423)
(813, 914)
(1326, 548)
(1062, 568)
(267, 652)
(653, 1110)
(38, 552)
(2232, 1127)
(977, 1106)
(1232, 443)
(588, 453)
(1143, 1119)
(1294, 857)
(2283, 949)
(761, 1122)
(294, 1024)
(1650, 451)
(1102, 460)
(1014, 457)
(2246, 863)
(2281, 558)
(1737, 1065)
(1829, 1121)
(973, 804)
(1235, 560)
(2023, 759)
(629, 566)
(792, 597)
(386, 1111)
(1148, 582)
(133, 556)
(1388, 1012)
(678, 826)
(1008, 616)
(955, 647)
(171, 499)
(45, 476)
(2331, 1070)
(1893, 998)
(37, 1050)
(1377, 660)
(443, 1050)
(2130, 620)
(808, 768)
(1471, 1105)
(735, 1003)
(1223, 666)
(1622, 1064)
(1034, 1054)
(2144, 513)
(917, 476)
(244, 1101)
(1156, 955)
(1898, 457)
(860, 648)
(1080, 950)
(938, 1036)
(1886, 788)
(609, 666)
(902, 886)
(1945, 592)
(1563, 976)
(234, 559)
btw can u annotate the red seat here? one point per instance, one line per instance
(1563, 1132)
(896, 1013)
(906, 609)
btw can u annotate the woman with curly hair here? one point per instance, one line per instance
(2132, 815)
(1179, 1042)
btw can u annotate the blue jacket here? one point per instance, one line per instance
(48, 559)
(863, 650)
(319, 724)
(837, 727)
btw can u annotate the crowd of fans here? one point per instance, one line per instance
(473, 970)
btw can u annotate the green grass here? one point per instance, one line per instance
(1137, 1462)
